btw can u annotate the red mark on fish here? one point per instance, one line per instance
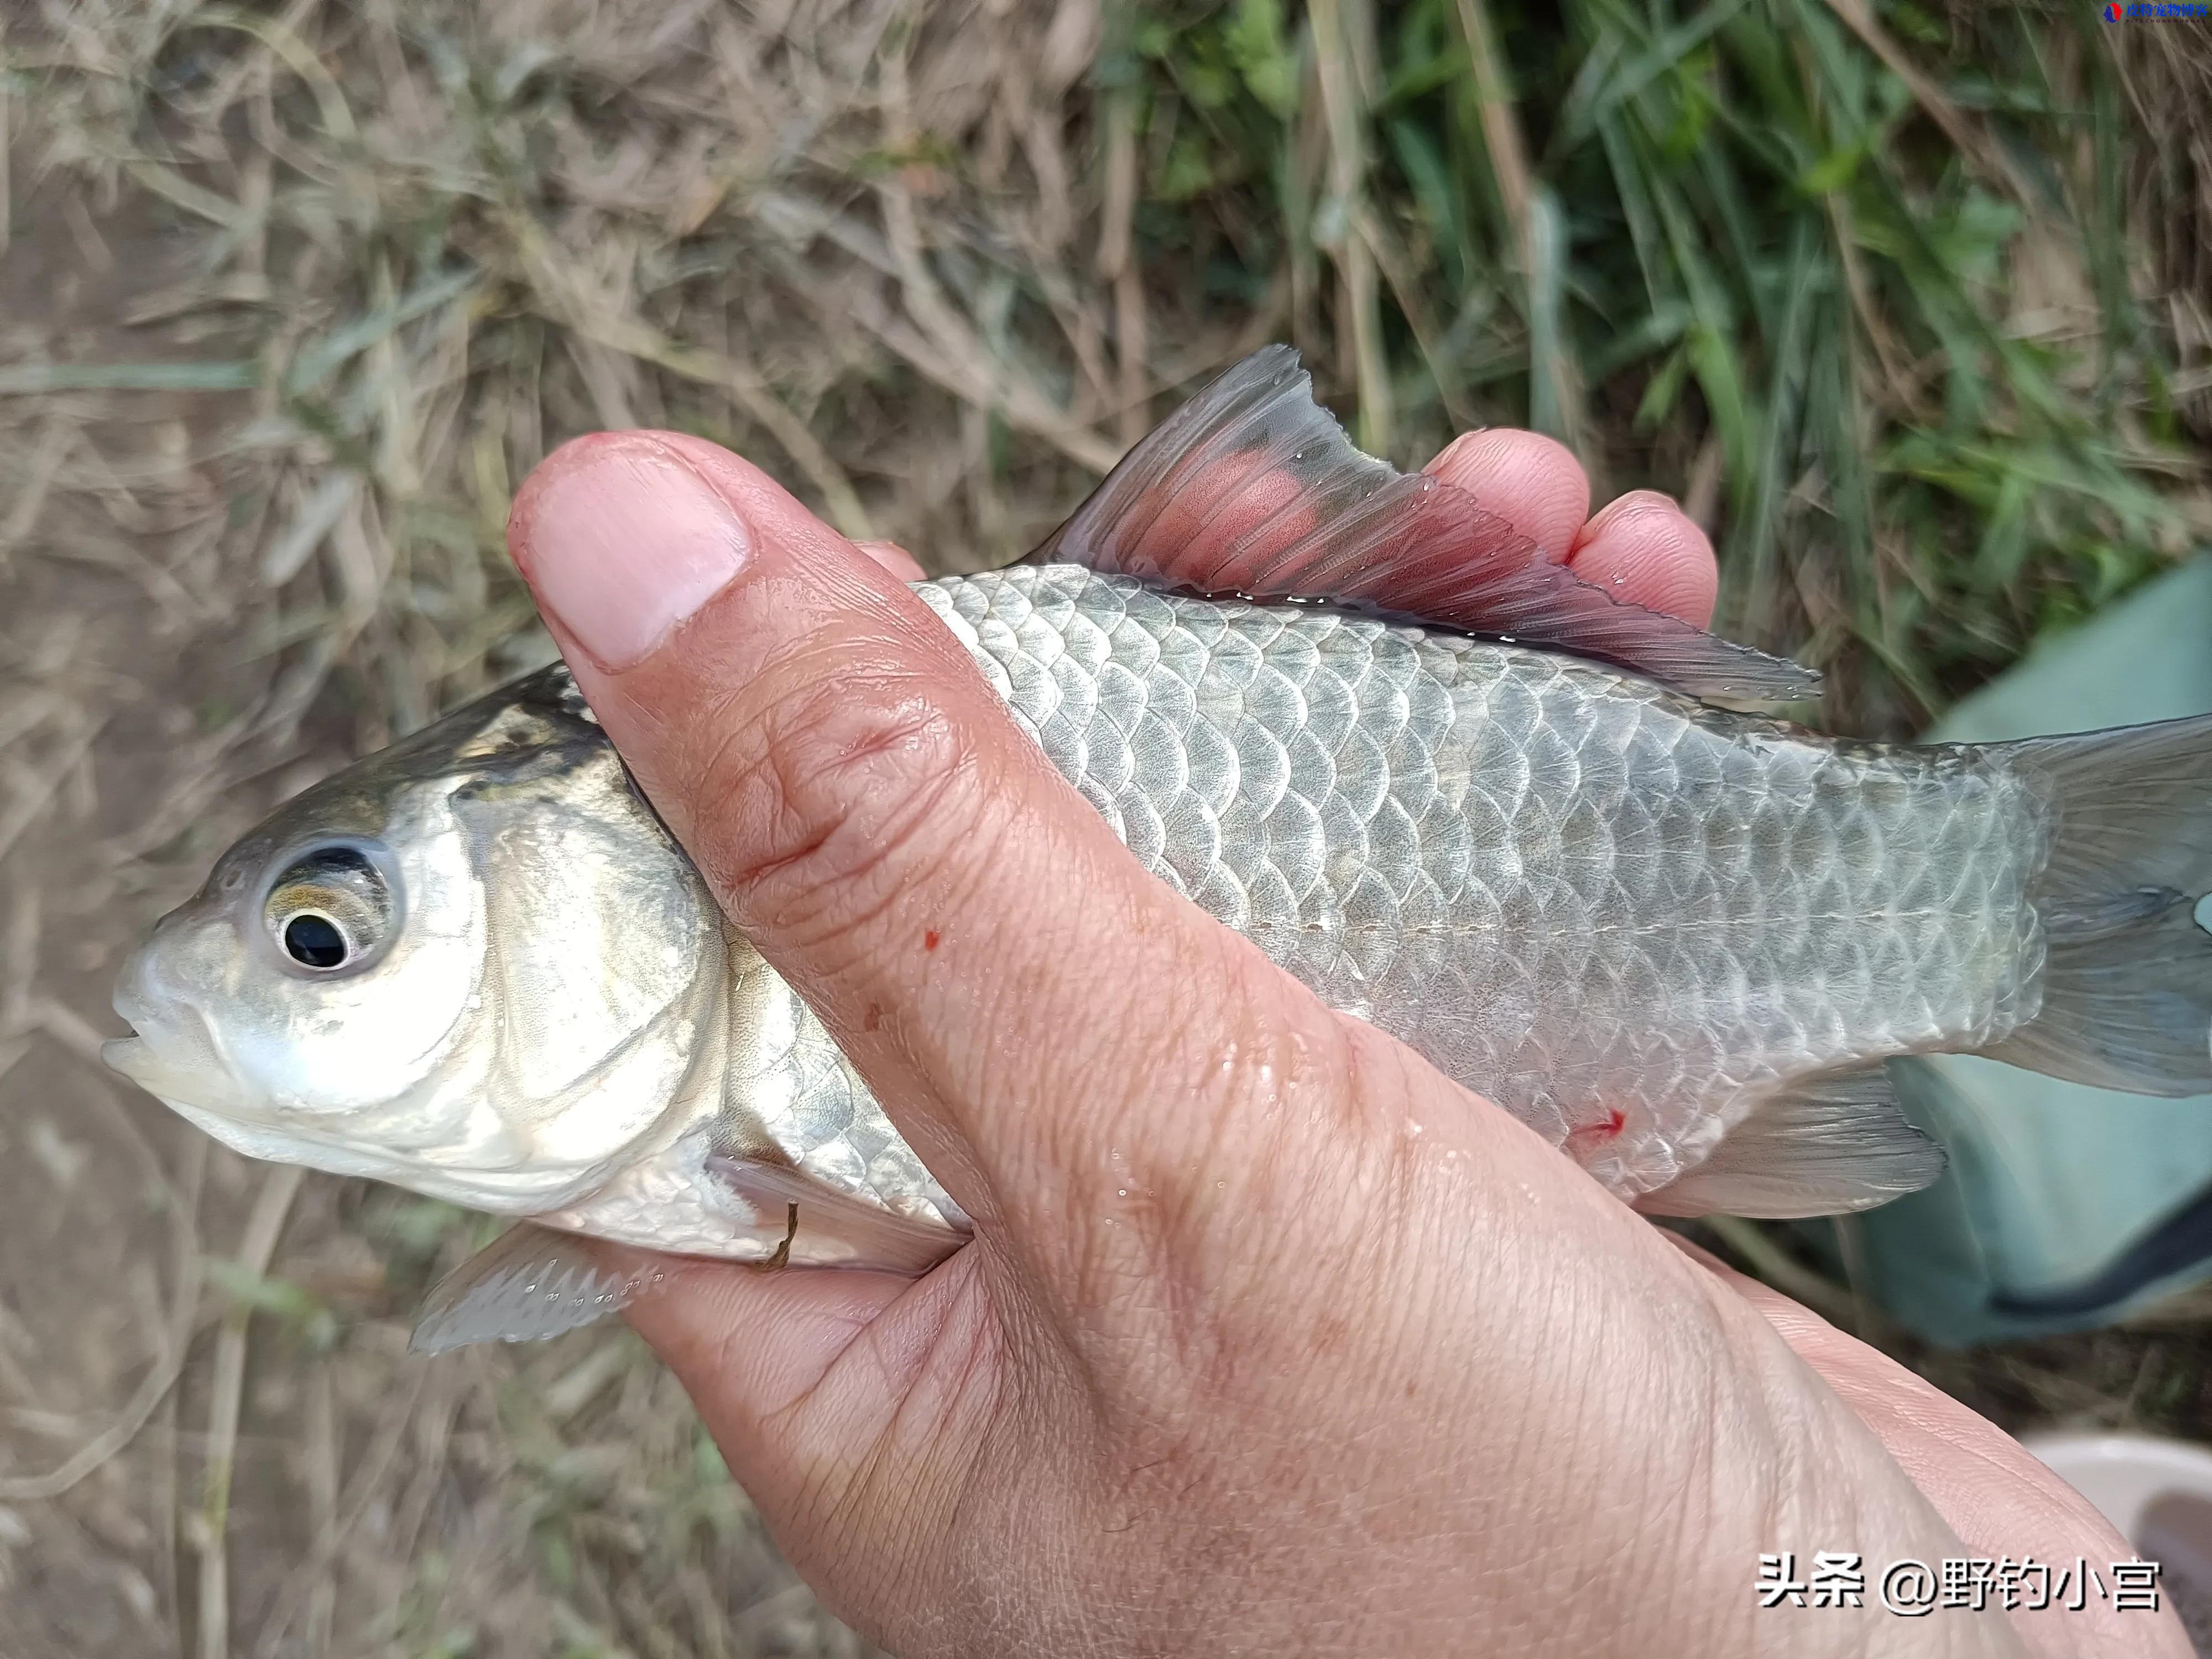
(1592, 1137)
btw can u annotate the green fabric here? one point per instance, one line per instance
(2049, 1181)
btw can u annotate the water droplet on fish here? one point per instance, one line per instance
(1122, 1192)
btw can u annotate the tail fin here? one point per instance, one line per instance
(2127, 999)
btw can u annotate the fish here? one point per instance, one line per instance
(1557, 844)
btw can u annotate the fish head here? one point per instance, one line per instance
(475, 965)
(317, 977)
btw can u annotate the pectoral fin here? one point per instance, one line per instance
(532, 1282)
(529, 1284)
(1838, 1144)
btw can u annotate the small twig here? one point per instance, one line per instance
(432, 1424)
(7, 203)
(133, 1417)
(1405, 288)
(1501, 129)
(1023, 410)
(1355, 263)
(1516, 195)
(69, 1028)
(66, 1028)
(19, 960)
(322, 1471)
(1263, 326)
(53, 445)
(256, 1245)
(1117, 261)
(193, 1181)
(1975, 146)
(962, 365)
(581, 313)
(91, 246)
(975, 372)
(1769, 1261)
(292, 1596)
(1701, 496)
(37, 790)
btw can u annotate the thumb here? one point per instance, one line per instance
(757, 672)
(971, 931)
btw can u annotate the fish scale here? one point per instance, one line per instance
(1570, 890)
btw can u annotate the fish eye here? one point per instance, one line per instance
(330, 909)
(314, 941)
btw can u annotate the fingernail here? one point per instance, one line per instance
(623, 544)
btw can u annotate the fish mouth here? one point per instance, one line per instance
(170, 1054)
(138, 1059)
(126, 1054)
(132, 1055)
(209, 1100)
(180, 1087)
(169, 1057)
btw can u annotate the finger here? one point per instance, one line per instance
(1645, 549)
(893, 558)
(817, 1386)
(763, 1337)
(970, 930)
(1534, 483)
(1998, 1498)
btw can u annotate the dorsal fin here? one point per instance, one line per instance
(1252, 489)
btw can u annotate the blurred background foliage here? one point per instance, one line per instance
(1881, 323)
(1910, 303)
(1906, 304)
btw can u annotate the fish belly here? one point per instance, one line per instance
(1625, 916)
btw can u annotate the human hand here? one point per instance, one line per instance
(1270, 1338)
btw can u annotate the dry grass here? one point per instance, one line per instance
(294, 295)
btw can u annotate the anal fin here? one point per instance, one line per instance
(1837, 1144)
(527, 1284)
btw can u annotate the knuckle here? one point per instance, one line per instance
(1259, 1128)
(820, 791)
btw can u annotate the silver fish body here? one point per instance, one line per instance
(1578, 894)
(1676, 941)
(1625, 916)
